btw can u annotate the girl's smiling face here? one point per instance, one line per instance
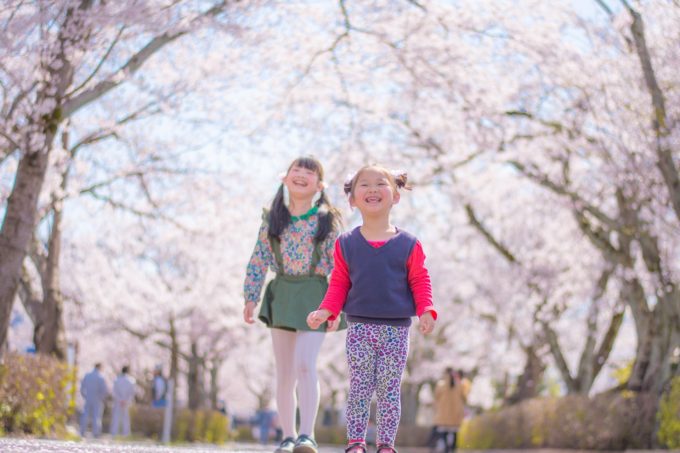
(373, 192)
(302, 182)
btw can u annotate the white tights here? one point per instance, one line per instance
(295, 354)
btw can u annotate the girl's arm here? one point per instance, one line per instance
(419, 282)
(327, 261)
(339, 286)
(259, 263)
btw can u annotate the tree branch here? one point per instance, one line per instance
(502, 249)
(100, 64)
(20, 97)
(664, 151)
(599, 237)
(417, 5)
(103, 134)
(579, 202)
(607, 343)
(586, 372)
(30, 300)
(560, 361)
(131, 66)
(606, 8)
(11, 141)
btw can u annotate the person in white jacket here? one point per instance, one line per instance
(123, 396)
(94, 390)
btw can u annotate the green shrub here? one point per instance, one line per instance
(669, 416)
(145, 421)
(37, 394)
(217, 428)
(331, 435)
(410, 435)
(198, 431)
(181, 429)
(244, 434)
(201, 426)
(407, 435)
(188, 426)
(609, 421)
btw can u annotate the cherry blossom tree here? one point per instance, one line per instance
(541, 140)
(554, 97)
(59, 57)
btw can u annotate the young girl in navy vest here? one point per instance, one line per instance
(380, 282)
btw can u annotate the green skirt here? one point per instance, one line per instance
(289, 299)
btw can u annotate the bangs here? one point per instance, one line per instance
(310, 164)
(349, 188)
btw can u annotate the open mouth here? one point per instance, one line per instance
(300, 183)
(373, 199)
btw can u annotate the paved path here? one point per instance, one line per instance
(10, 445)
(26, 445)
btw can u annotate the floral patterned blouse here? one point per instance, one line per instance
(297, 246)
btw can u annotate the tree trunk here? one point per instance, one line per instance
(264, 398)
(20, 215)
(17, 228)
(530, 380)
(195, 379)
(50, 337)
(22, 206)
(591, 361)
(214, 383)
(653, 367)
(409, 402)
(174, 357)
(334, 412)
(660, 121)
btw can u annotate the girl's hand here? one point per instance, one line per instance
(426, 323)
(333, 325)
(248, 311)
(317, 317)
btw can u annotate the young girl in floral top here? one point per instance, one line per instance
(296, 242)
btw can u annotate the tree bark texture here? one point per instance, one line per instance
(17, 230)
(529, 382)
(50, 338)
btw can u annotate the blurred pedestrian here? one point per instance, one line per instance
(450, 397)
(94, 389)
(123, 396)
(159, 388)
(265, 418)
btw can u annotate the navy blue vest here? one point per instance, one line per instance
(380, 293)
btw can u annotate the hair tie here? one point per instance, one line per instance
(401, 179)
(347, 187)
(316, 199)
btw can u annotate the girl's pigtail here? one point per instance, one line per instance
(401, 180)
(329, 218)
(318, 199)
(279, 216)
(347, 187)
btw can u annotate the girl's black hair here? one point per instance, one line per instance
(279, 216)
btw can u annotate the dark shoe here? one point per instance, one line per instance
(286, 446)
(305, 444)
(356, 447)
(384, 448)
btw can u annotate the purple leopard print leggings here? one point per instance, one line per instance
(376, 355)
